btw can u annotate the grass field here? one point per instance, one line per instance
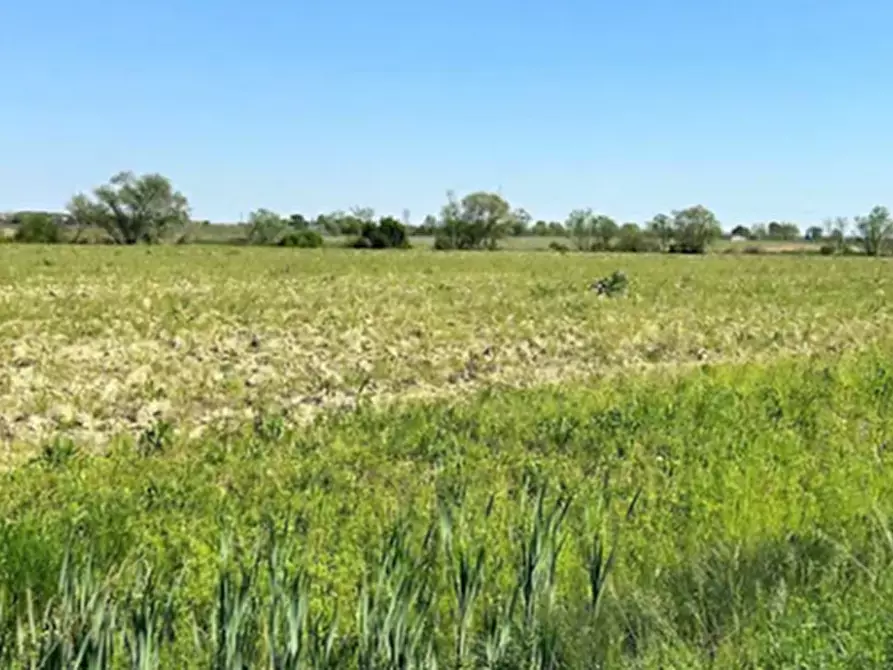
(279, 458)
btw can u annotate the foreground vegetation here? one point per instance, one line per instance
(732, 516)
(250, 457)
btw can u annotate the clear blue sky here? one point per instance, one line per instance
(760, 109)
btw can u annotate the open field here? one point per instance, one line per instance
(100, 341)
(720, 437)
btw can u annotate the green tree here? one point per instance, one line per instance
(581, 224)
(837, 231)
(632, 238)
(557, 229)
(344, 223)
(661, 227)
(783, 231)
(520, 222)
(478, 221)
(875, 230)
(428, 226)
(265, 227)
(37, 227)
(325, 224)
(540, 228)
(606, 230)
(694, 228)
(741, 231)
(591, 232)
(791, 232)
(758, 231)
(298, 222)
(353, 222)
(132, 209)
(814, 233)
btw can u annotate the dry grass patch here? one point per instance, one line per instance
(96, 342)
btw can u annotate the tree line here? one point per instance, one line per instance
(132, 209)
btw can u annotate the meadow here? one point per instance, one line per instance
(239, 457)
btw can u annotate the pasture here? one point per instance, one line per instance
(332, 458)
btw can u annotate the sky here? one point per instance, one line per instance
(760, 110)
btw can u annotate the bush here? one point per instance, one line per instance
(682, 248)
(753, 250)
(388, 233)
(38, 228)
(560, 247)
(828, 250)
(616, 284)
(444, 242)
(463, 237)
(636, 242)
(301, 239)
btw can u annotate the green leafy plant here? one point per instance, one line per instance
(155, 439)
(301, 239)
(614, 285)
(37, 227)
(386, 233)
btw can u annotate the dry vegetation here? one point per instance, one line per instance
(101, 342)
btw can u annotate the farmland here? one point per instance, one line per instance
(694, 474)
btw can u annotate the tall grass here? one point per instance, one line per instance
(718, 517)
(419, 604)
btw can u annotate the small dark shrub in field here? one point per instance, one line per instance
(682, 248)
(616, 284)
(155, 439)
(753, 250)
(559, 247)
(638, 245)
(828, 250)
(58, 453)
(270, 427)
(388, 233)
(632, 239)
(38, 228)
(301, 239)
(445, 241)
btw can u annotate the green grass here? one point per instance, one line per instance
(747, 505)
(701, 480)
